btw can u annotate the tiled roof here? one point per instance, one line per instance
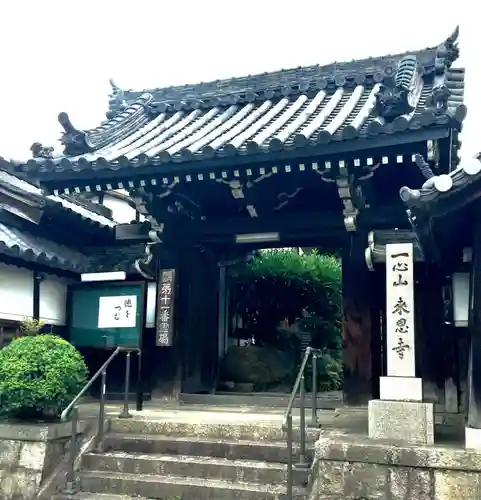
(20, 184)
(20, 244)
(442, 186)
(268, 113)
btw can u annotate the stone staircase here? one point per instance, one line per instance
(191, 461)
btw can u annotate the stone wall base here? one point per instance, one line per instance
(408, 421)
(355, 467)
(28, 455)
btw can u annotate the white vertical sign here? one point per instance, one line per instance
(400, 310)
(117, 312)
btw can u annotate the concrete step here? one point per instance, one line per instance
(266, 451)
(95, 496)
(111, 496)
(268, 431)
(328, 401)
(169, 487)
(249, 471)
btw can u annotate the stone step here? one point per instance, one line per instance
(265, 431)
(250, 471)
(82, 495)
(111, 496)
(169, 487)
(328, 401)
(267, 451)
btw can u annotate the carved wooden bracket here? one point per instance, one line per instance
(243, 191)
(350, 193)
(145, 265)
(141, 199)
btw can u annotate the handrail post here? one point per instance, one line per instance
(103, 392)
(139, 398)
(302, 424)
(290, 471)
(125, 413)
(71, 483)
(314, 391)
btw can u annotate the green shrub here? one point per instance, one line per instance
(39, 377)
(305, 289)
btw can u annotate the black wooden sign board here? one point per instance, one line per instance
(165, 308)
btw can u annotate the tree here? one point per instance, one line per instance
(304, 290)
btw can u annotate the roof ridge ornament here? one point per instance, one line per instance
(437, 101)
(40, 151)
(397, 96)
(117, 101)
(447, 52)
(73, 140)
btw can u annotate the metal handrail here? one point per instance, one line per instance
(72, 409)
(300, 387)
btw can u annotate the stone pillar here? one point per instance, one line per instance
(400, 413)
(473, 427)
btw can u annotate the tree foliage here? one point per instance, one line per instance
(298, 289)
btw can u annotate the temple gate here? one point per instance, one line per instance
(313, 157)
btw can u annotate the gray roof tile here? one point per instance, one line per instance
(12, 180)
(265, 113)
(20, 244)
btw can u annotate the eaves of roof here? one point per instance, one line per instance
(33, 194)
(441, 187)
(270, 113)
(25, 246)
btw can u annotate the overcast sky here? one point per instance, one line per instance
(59, 55)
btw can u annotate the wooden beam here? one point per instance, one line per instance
(132, 232)
(474, 368)
(295, 221)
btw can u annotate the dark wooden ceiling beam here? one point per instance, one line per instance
(320, 220)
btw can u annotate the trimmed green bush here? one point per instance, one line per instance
(39, 377)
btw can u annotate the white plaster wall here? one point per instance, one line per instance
(53, 300)
(151, 304)
(16, 290)
(16, 296)
(122, 212)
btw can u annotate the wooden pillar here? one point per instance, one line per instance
(435, 340)
(198, 324)
(161, 368)
(473, 431)
(357, 338)
(223, 316)
(36, 294)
